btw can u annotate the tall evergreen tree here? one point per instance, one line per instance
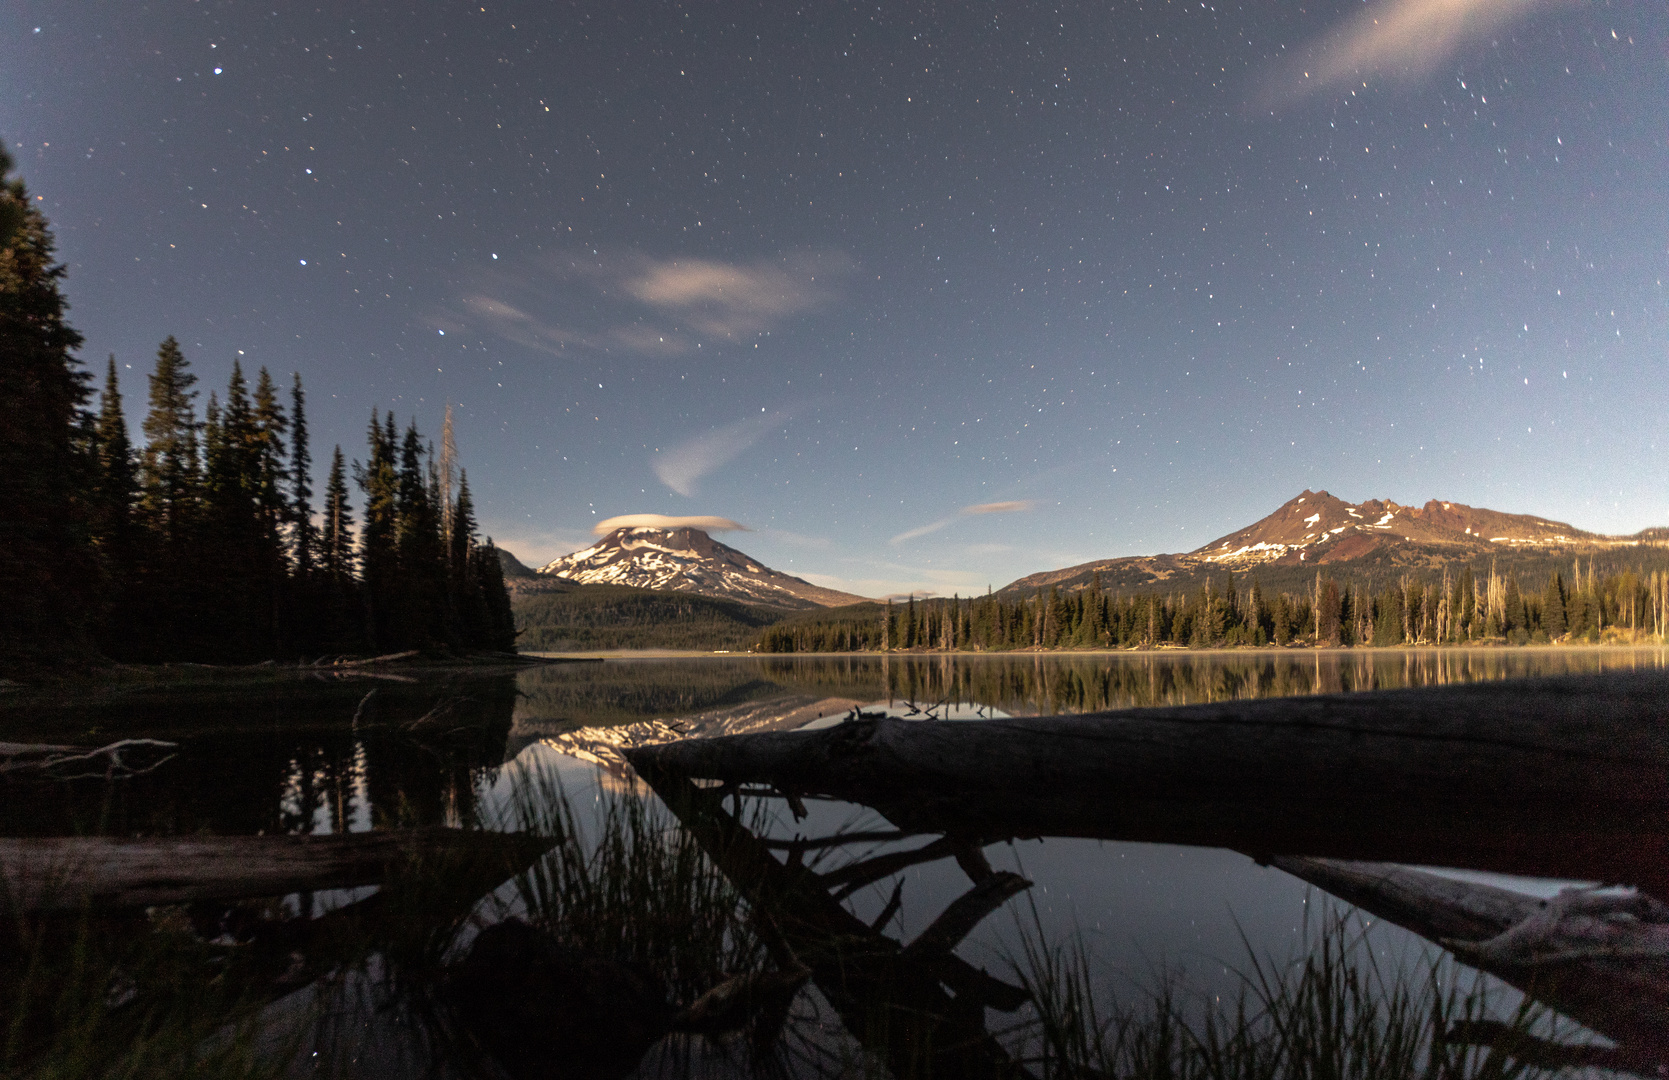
(14, 203)
(268, 459)
(471, 612)
(1513, 619)
(377, 553)
(49, 570)
(422, 561)
(116, 482)
(501, 621)
(1553, 608)
(305, 536)
(168, 471)
(336, 543)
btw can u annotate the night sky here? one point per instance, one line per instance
(925, 296)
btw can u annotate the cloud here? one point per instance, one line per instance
(1013, 506)
(1403, 39)
(881, 580)
(629, 302)
(681, 466)
(663, 521)
(921, 530)
(732, 300)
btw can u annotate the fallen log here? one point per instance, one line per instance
(1601, 959)
(69, 873)
(1565, 777)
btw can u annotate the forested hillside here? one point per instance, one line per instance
(559, 616)
(202, 541)
(1585, 601)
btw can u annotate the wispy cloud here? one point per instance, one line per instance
(681, 466)
(1401, 39)
(886, 580)
(630, 302)
(1013, 506)
(732, 300)
(664, 521)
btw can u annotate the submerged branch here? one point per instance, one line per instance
(50, 760)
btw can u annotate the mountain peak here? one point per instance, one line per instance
(1317, 527)
(687, 559)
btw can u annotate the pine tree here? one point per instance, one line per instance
(272, 475)
(116, 483)
(304, 537)
(1332, 606)
(448, 475)
(1513, 619)
(337, 540)
(230, 561)
(377, 553)
(421, 559)
(168, 471)
(14, 202)
(49, 569)
(501, 619)
(472, 614)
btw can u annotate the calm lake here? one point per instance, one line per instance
(544, 746)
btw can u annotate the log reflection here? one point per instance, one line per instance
(919, 1007)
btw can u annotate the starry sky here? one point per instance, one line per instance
(925, 296)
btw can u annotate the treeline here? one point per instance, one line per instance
(1458, 609)
(572, 617)
(201, 542)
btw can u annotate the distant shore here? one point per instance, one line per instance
(1219, 650)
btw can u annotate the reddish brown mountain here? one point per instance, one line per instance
(1315, 528)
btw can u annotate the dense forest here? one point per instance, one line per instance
(561, 616)
(202, 541)
(1459, 608)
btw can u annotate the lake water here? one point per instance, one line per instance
(349, 755)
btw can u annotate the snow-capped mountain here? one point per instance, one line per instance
(688, 560)
(1315, 528)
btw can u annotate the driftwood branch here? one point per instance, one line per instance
(1621, 994)
(1578, 924)
(60, 762)
(68, 873)
(388, 658)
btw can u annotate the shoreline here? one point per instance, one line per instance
(1163, 650)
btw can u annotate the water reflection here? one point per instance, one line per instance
(894, 926)
(626, 691)
(286, 758)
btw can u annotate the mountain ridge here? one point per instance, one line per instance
(1316, 528)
